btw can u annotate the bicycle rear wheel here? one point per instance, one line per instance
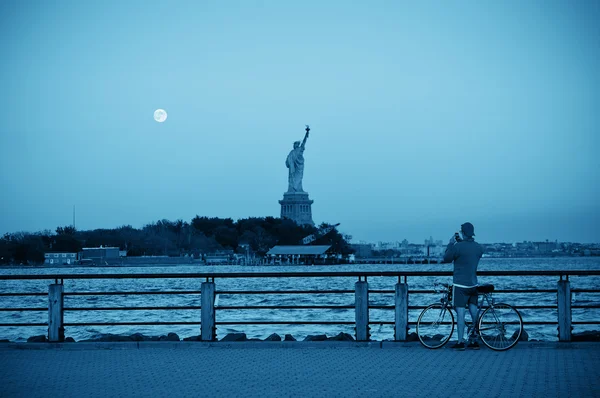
(435, 326)
(500, 327)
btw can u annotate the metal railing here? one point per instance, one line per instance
(361, 306)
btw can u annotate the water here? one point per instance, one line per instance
(378, 331)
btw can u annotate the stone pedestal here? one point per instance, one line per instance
(297, 206)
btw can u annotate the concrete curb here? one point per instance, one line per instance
(186, 345)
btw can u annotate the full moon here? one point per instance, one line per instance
(160, 115)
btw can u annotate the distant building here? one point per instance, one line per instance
(100, 255)
(387, 246)
(545, 247)
(219, 257)
(433, 250)
(362, 249)
(60, 258)
(302, 254)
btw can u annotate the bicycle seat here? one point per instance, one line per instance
(485, 288)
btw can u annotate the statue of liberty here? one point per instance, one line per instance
(295, 164)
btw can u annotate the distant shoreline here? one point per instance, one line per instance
(138, 263)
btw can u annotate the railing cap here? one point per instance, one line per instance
(308, 274)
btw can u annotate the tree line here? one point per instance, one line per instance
(170, 238)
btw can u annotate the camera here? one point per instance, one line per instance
(457, 237)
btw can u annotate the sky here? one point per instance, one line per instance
(423, 115)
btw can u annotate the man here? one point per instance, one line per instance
(466, 254)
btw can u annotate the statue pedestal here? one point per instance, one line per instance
(297, 206)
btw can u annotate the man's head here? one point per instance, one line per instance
(296, 144)
(468, 230)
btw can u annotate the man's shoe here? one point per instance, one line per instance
(473, 345)
(459, 346)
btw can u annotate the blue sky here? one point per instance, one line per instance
(423, 116)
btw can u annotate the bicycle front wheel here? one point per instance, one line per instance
(435, 326)
(500, 327)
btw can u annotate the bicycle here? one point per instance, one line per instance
(499, 326)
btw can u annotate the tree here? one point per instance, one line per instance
(68, 230)
(339, 243)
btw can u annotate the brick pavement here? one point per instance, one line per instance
(297, 370)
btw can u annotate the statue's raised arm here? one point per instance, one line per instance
(305, 136)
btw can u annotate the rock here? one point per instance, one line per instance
(316, 337)
(588, 335)
(524, 336)
(110, 338)
(4, 341)
(273, 337)
(289, 337)
(341, 337)
(235, 337)
(192, 338)
(412, 337)
(69, 340)
(138, 337)
(169, 337)
(37, 339)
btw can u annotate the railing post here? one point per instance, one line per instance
(361, 307)
(56, 331)
(564, 310)
(401, 303)
(207, 325)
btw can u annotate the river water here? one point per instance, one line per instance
(378, 331)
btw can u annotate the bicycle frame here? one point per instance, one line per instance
(483, 297)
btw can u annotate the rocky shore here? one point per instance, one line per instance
(108, 337)
(592, 335)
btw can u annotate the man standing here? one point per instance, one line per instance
(465, 253)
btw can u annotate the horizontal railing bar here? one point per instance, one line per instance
(128, 323)
(586, 323)
(297, 274)
(23, 324)
(262, 307)
(131, 308)
(125, 293)
(258, 307)
(585, 306)
(283, 291)
(525, 291)
(285, 323)
(495, 291)
(22, 294)
(174, 292)
(283, 307)
(421, 307)
(524, 323)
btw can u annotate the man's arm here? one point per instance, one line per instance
(449, 253)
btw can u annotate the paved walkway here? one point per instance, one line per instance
(296, 370)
